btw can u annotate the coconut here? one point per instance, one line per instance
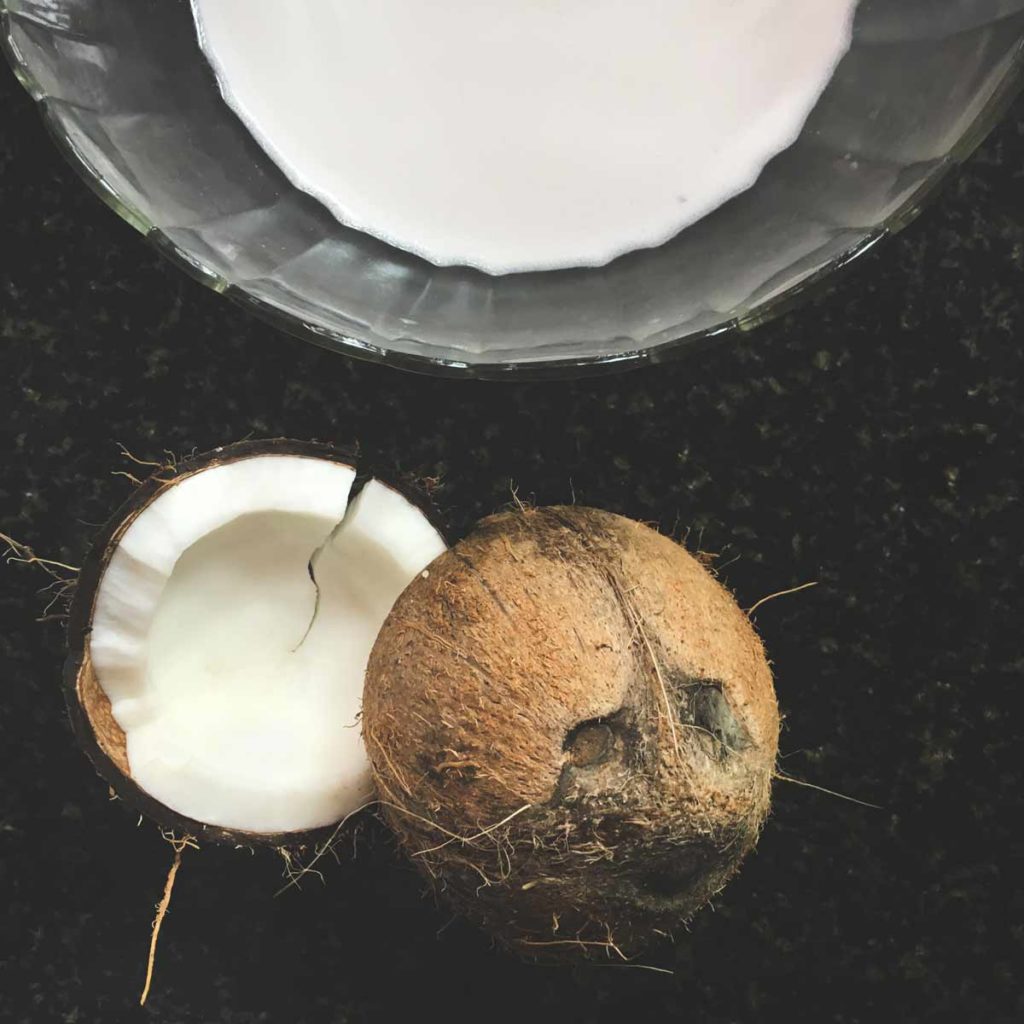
(573, 730)
(219, 636)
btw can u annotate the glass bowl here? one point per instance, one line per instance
(129, 96)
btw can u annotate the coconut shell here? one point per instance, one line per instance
(89, 709)
(573, 730)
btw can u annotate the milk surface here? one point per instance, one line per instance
(514, 135)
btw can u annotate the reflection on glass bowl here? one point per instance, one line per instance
(126, 91)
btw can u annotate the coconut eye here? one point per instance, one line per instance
(590, 743)
(595, 752)
(710, 710)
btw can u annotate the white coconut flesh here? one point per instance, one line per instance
(235, 674)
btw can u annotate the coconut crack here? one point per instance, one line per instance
(311, 570)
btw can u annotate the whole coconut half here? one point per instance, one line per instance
(573, 730)
(219, 636)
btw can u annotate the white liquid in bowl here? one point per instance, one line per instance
(515, 135)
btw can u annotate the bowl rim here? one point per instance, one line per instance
(1011, 85)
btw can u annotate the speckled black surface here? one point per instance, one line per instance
(872, 442)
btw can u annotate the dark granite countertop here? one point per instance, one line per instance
(871, 442)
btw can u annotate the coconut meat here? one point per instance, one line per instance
(231, 631)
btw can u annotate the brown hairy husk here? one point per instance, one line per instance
(573, 729)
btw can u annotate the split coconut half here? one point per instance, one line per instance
(220, 634)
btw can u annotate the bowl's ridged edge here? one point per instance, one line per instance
(1010, 87)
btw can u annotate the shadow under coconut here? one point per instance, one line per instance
(366, 937)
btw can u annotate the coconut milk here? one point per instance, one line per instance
(515, 135)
